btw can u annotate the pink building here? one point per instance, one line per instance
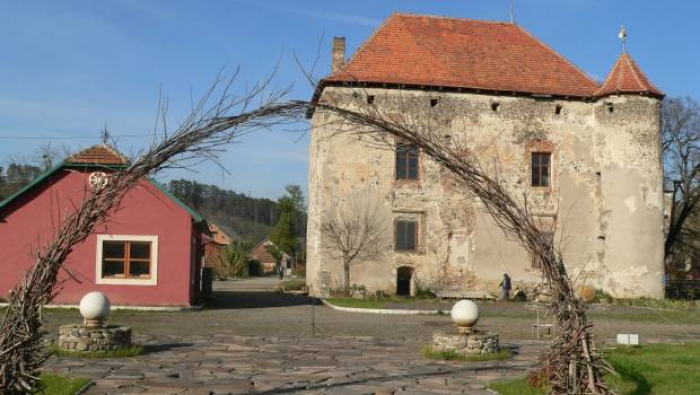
(149, 253)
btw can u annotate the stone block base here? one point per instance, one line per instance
(92, 339)
(474, 343)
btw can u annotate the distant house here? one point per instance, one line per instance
(149, 253)
(262, 255)
(214, 244)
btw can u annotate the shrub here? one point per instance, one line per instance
(424, 293)
(603, 297)
(293, 285)
(231, 260)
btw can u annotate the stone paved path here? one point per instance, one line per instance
(226, 364)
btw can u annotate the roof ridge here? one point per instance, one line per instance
(610, 76)
(643, 79)
(630, 65)
(452, 18)
(559, 55)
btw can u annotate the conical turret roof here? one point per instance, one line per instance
(627, 78)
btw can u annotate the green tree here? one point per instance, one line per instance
(285, 235)
(236, 258)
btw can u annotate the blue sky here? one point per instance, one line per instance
(69, 67)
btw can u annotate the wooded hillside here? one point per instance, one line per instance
(252, 219)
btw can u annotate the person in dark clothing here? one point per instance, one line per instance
(280, 271)
(505, 287)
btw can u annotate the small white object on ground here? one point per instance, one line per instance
(628, 338)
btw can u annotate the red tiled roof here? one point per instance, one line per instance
(101, 154)
(463, 53)
(627, 77)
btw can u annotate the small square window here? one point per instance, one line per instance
(406, 235)
(127, 260)
(541, 169)
(370, 99)
(434, 102)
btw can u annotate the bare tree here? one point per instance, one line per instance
(681, 145)
(572, 365)
(218, 118)
(355, 231)
(50, 154)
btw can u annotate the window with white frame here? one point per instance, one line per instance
(130, 260)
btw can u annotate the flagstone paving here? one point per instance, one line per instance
(228, 364)
(251, 340)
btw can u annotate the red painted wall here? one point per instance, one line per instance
(31, 220)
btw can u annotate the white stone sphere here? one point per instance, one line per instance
(94, 306)
(465, 313)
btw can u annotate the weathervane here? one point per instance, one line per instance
(105, 135)
(623, 37)
(512, 12)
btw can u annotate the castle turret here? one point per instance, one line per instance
(630, 181)
(626, 78)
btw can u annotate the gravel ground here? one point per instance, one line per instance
(250, 308)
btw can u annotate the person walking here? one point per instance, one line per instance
(505, 287)
(280, 271)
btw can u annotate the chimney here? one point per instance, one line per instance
(338, 53)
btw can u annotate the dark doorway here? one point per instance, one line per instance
(403, 281)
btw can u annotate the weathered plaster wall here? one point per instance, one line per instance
(606, 168)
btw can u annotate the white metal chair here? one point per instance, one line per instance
(538, 327)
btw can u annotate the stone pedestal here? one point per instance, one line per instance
(90, 339)
(474, 343)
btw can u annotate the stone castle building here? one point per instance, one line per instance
(585, 155)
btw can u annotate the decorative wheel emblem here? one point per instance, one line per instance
(98, 180)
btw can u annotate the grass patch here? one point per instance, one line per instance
(668, 304)
(430, 353)
(643, 370)
(656, 369)
(658, 316)
(123, 353)
(53, 384)
(516, 387)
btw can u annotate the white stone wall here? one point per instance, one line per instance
(604, 203)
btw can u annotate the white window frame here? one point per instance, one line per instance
(127, 281)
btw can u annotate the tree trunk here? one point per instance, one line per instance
(346, 273)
